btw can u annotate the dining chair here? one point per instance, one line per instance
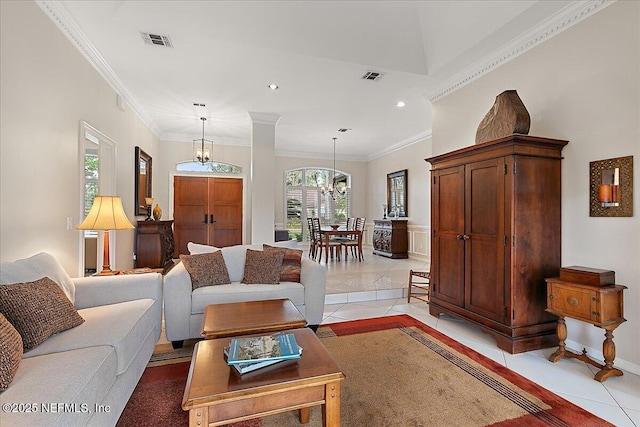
(313, 241)
(321, 243)
(355, 241)
(422, 287)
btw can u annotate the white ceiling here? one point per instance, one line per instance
(226, 53)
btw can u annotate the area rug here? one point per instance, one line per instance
(400, 373)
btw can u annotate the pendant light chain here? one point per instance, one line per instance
(202, 154)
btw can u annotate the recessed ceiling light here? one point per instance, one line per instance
(400, 104)
(273, 86)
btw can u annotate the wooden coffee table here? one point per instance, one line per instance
(216, 394)
(254, 317)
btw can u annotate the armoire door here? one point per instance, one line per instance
(484, 238)
(207, 211)
(448, 226)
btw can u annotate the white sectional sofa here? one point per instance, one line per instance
(184, 308)
(85, 375)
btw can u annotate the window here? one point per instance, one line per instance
(304, 199)
(192, 166)
(91, 164)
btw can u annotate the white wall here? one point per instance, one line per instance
(419, 207)
(583, 85)
(47, 88)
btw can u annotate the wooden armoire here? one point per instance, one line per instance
(496, 227)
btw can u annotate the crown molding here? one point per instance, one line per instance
(320, 156)
(400, 145)
(264, 118)
(183, 137)
(61, 18)
(563, 20)
(395, 147)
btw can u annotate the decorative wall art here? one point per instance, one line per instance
(397, 194)
(611, 187)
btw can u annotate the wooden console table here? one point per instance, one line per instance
(154, 245)
(390, 238)
(601, 306)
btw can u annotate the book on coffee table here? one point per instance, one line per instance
(244, 368)
(263, 348)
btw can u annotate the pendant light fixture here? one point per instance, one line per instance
(201, 152)
(333, 189)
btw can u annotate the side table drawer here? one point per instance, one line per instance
(574, 302)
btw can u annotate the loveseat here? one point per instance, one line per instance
(84, 375)
(184, 306)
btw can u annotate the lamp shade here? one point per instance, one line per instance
(106, 214)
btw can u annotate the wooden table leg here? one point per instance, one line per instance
(331, 408)
(304, 415)
(561, 330)
(326, 248)
(199, 417)
(609, 352)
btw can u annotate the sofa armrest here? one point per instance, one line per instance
(177, 303)
(103, 290)
(313, 277)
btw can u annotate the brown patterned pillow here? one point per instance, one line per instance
(38, 310)
(10, 352)
(262, 267)
(291, 263)
(206, 269)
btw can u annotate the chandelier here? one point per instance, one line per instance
(334, 189)
(202, 153)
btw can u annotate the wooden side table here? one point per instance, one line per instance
(602, 306)
(251, 317)
(154, 245)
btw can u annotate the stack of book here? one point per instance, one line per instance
(247, 354)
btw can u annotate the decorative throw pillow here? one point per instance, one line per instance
(262, 267)
(35, 267)
(291, 263)
(37, 310)
(10, 352)
(206, 269)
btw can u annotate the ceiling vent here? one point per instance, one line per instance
(372, 75)
(156, 39)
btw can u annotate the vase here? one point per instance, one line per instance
(157, 213)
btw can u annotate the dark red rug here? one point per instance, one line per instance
(157, 399)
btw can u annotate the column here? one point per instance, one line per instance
(262, 177)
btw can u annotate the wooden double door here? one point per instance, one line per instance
(495, 219)
(207, 211)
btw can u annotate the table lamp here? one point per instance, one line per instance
(148, 201)
(106, 214)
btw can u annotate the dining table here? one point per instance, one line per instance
(327, 232)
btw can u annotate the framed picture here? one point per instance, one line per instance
(142, 183)
(397, 194)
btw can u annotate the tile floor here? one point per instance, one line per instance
(377, 287)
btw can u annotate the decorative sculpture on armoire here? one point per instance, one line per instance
(507, 116)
